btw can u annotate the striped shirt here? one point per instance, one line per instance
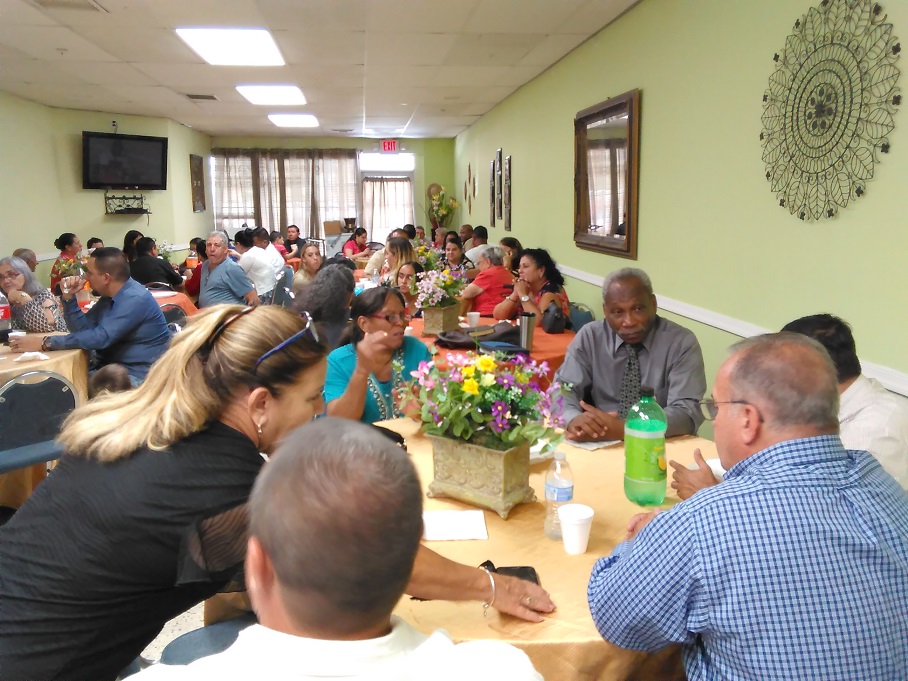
(796, 566)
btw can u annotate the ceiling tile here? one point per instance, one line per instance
(595, 15)
(208, 14)
(327, 15)
(310, 48)
(106, 73)
(54, 43)
(198, 78)
(21, 13)
(420, 16)
(492, 49)
(408, 49)
(141, 44)
(529, 16)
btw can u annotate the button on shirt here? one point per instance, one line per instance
(795, 567)
(226, 283)
(671, 363)
(872, 418)
(128, 329)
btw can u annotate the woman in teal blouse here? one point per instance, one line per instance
(365, 375)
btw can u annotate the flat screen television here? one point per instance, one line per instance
(113, 161)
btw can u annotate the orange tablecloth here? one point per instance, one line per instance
(179, 299)
(566, 646)
(294, 263)
(547, 347)
(16, 486)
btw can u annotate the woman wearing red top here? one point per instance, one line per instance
(492, 285)
(194, 283)
(538, 285)
(357, 244)
(69, 246)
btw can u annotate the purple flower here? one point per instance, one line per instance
(507, 380)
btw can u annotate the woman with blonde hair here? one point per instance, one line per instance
(398, 252)
(144, 516)
(310, 262)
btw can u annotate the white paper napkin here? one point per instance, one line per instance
(454, 525)
(31, 355)
(593, 445)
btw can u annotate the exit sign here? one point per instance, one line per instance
(389, 145)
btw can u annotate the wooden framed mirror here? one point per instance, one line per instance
(606, 172)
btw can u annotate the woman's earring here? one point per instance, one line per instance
(258, 427)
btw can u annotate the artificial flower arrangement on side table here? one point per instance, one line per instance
(441, 207)
(436, 295)
(482, 413)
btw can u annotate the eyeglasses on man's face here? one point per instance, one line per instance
(710, 408)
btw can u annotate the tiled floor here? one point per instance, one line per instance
(179, 625)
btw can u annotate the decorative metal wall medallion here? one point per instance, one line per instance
(829, 108)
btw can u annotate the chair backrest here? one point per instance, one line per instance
(159, 286)
(581, 315)
(333, 226)
(32, 408)
(322, 248)
(282, 294)
(174, 314)
(375, 245)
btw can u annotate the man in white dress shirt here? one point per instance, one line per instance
(870, 417)
(325, 568)
(262, 239)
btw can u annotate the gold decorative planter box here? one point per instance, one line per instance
(489, 478)
(438, 319)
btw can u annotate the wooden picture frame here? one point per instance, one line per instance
(498, 186)
(507, 194)
(492, 193)
(197, 182)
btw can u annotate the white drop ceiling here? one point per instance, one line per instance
(398, 68)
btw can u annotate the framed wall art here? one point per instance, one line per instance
(507, 194)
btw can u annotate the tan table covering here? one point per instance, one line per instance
(16, 486)
(181, 300)
(566, 646)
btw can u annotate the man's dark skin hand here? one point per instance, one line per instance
(594, 425)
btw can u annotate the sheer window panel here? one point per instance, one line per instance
(336, 189)
(233, 190)
(387, 205)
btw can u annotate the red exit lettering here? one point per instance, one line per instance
(389, 145)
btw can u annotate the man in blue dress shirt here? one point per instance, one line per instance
(124, 327)
(796, 566)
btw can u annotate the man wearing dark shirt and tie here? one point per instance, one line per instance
(124, 327)
(608, 362)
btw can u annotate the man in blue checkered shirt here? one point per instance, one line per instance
(796, 566)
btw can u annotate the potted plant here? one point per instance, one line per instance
(482, 413)
(436, 295)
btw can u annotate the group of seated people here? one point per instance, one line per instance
(794, 565)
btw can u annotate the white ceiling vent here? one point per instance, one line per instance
(203, 98)
(82, 5)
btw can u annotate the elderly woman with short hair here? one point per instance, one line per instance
(327, 298)
(491, 286)
(33, 307)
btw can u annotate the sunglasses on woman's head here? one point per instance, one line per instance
(309, 330)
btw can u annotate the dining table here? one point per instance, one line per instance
(547, 347)
(294, 263)
(566, 646)
(16, 486)
(181, 300)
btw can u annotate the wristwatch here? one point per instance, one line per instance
(524, 299)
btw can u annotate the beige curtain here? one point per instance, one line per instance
(387, 205)
(274, 188)
(607, 163)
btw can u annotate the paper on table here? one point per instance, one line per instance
(31, 355)
(593, 445)
(161, 294)
(454, 525)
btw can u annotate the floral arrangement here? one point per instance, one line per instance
(441, 208)
(426, 255)
(491, 400)
(165, 250)
(438, 288)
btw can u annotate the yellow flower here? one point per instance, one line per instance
(470, 386)
(487, 380)
(485, 363)
(468, 372)
(521, 377)
(446, 271)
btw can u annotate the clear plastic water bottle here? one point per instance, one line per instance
(644, 451)
(559, 490)
(5, 316)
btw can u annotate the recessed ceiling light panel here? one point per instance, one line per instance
(272, 95)
(294, 120)
(233, 46)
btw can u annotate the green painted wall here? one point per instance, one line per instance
(434, 157)
(41, 180)
(711, 231)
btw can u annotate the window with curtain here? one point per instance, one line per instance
(387, 205)
(273, 188)
(607, 161)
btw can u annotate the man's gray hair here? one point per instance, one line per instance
(326, 296)
(790, 376)
(627, 273)
(338, 510)
(25, 253)
(220, 235)
(32, 285)
(495, 254)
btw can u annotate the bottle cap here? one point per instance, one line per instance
(646, 391)
(560, 456)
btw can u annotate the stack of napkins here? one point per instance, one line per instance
(454, 525)
(31, 355)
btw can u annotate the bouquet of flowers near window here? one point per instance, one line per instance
(426, 255)
(441, 208)
(490, 400)
(438, 288)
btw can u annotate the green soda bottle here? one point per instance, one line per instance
(644, 451)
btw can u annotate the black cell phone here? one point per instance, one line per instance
(525, 572)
